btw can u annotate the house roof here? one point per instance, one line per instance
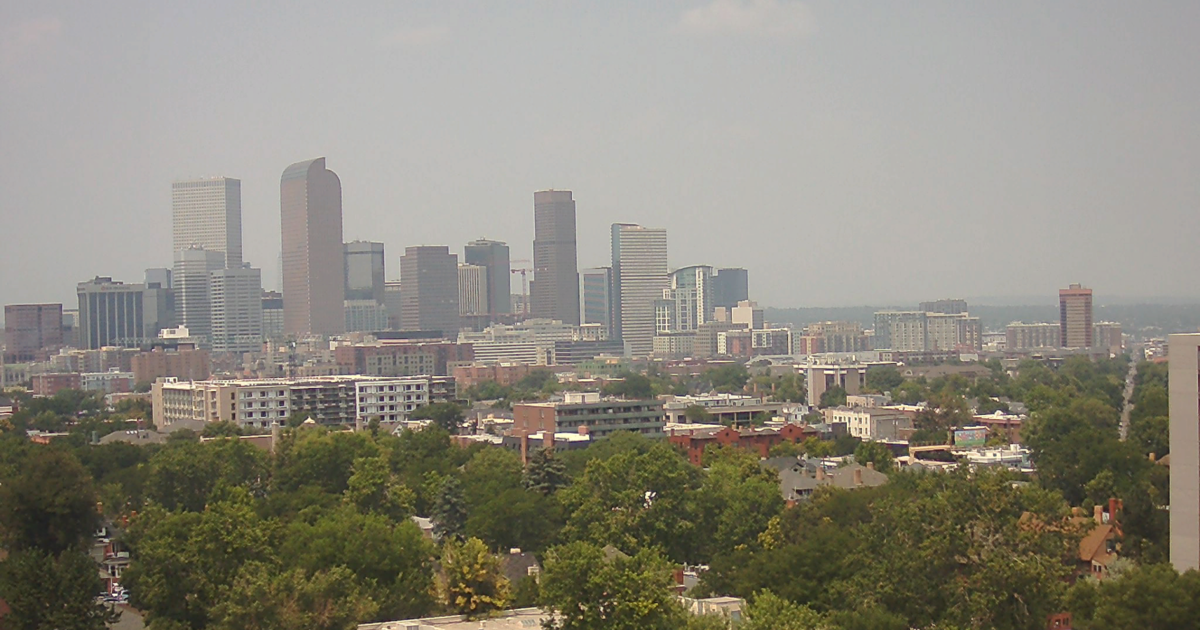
(516, 566)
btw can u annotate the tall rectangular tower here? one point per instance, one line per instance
(110, 314)
(730, 286)
(555, 290)
(208, 213)
(473, 298)
(597, 298)
(29, 328)
(310, 199)
(1184, 376)
(429, 289)
(1075, 316)
(494, 256)
(365, 267)
(193, 297)
(237, 314)
(639, 264)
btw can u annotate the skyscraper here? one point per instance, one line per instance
(237, 314)
(429, 289)
(29, 328)
(310, 199)
(1075, 316)
(730, 286)
(208, 213)
(110, 314)
(639, 264)
(555, 290)
(365, 267)
(193, 298)
(689, 298)
(494, 256)
(1184, 413)
(472, 290)
(597, 298)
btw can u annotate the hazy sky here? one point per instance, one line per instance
(844, 152)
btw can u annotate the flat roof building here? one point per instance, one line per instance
(1184, 396)
(314, 278)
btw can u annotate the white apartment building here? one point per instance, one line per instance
(866, 423)
(530, 342)
(328, 400)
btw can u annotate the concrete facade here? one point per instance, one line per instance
(1184, 377)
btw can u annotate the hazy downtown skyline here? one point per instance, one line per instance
(844, 153)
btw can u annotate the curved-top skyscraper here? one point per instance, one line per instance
(310, 200)
(555, 290)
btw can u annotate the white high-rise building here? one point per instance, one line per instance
(193, 303)
(237, 315)
(208, 213)
(688, 303)
(639, 268)
(1184, 375)
(472, 290)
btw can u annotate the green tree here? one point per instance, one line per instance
(183, 562)
(697, 414)
(771, 612)
(635, 501)
(876, 453)
(449, 512)
(546, 473)
(590, 588)
(373, 487)
(48, 504)
(391, 561)
(48, 591)
(631, 386)
(1151, 597)
(883, 378)
(472, 583)
(223, 428)
(261, 598)
(833, 397)
(184, 475)
(727, 378)
(735, 501)
(447, 415)
(500, 510)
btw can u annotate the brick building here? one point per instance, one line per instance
(761, 439)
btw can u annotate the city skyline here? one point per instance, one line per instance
(772, 134)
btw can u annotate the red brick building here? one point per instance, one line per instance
(694, 441)
(185, 365)
(406, 358)
(506, 374)
(51, 384)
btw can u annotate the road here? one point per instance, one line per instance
(1127, 407)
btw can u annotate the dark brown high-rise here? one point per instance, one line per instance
(555, 290)
(310, 199)
(30, 328)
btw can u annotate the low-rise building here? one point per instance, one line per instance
(866, 423)
(739, 409)
(185, 365)
(588, 413)
(110, 382)
(402, 357)
(51, 384)
(758, 439)
(506, 374)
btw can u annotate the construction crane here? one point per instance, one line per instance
(524, 271)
